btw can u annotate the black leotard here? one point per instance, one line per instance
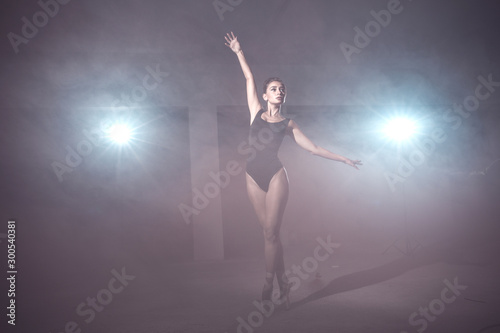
(266, 138)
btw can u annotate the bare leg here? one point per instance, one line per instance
(270, 207)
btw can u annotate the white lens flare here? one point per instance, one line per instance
(400, 129)
(120, 133)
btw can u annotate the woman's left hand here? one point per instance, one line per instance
(352, 163)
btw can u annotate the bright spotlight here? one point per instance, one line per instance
(120, 133)
(400, 129)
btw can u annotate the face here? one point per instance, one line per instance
(275, 93)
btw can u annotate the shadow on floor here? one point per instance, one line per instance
(423, 257)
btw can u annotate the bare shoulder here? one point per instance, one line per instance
(292, 124)
(254, 110)
(253, 113)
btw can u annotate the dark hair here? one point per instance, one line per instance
(272, 79)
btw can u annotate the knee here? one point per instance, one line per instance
(271, 235)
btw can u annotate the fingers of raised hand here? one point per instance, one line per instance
(228, 41)
(230, 37)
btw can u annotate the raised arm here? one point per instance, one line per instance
(303, 141)
(252, 98)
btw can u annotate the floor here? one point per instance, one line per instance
(355, 288)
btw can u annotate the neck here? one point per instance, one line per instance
(273, 110)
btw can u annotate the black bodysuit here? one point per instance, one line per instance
(266, 138)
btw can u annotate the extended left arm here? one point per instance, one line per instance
(303, 141)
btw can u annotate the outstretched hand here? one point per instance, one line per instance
(232, 42)
(352, 163)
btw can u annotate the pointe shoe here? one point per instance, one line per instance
(284, 299)
(267, 290)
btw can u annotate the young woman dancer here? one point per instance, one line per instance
(267, 181)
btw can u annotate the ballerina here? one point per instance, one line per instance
(266, 178)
